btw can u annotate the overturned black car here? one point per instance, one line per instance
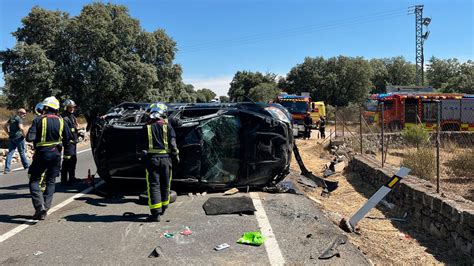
(221, 144)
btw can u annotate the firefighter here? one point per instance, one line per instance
(308, 123)
(47, 133)
(158, 150)
(70, 156)
(322, 127)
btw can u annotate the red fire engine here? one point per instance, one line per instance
(407, 109)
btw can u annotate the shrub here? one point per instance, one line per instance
(416, 135)
(422, 163)
(462, 164)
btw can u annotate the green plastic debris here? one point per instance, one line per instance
(168, 235)
(251, 238)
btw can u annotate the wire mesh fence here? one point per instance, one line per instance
(433, 137)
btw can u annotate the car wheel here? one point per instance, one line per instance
(143, 198)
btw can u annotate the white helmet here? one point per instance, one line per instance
(68, 103)
(51, 102)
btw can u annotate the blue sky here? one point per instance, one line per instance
(216, 38)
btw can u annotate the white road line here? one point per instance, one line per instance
(21, 168)
(271, 245)
(28, 223)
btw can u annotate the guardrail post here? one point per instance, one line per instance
(438, 128)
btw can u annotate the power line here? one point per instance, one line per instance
(294, 31)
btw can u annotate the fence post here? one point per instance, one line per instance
(335, 122)
(343, 125)
(360, 129)
(438, 128)
(383, 126)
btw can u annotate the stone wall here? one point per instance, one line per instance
(446, 216)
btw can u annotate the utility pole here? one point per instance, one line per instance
(420, 39)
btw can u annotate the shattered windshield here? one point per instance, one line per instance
(221, 144)
(295, 107)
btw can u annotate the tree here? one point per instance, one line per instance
(380, 77)
(28, 75)
(400, 71)
(450, 75)
(224, 99)
(264, 92)
(205, 95)
(243, 81)
(99, 58)
(337, 80)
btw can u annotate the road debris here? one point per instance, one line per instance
(284, 186)
(332, 250)
(327, 185)
(168, 235)
(221, 247)
(157, 252)
(186, 231)
(307, 182)
(38, 253)
(388, 204)
(251, 238)
(232, 205)
(231, 191)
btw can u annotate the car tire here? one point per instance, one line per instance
(143, 198)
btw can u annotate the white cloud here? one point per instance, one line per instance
(219, 85)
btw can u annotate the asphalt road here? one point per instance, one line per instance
(91, 229)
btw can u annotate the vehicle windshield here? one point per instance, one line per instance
(221, 146)
(295, 107)
(371, 105)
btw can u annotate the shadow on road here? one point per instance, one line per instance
(16, 219)
(10, 196)
(93, 218)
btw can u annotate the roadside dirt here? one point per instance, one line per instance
(384, 241)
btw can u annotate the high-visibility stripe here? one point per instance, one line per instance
(44, 125)
(167, 202)
(61, 127)
(165, 136)
(150, 138)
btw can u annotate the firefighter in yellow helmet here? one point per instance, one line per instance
(47, 133)
(157, 144)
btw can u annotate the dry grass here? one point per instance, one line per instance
(462, 164)
(422, 163)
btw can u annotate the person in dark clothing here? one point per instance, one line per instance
(322, 127)
(47, 133)
(70, 152)
(157, 145)
(308, 123)
(16, 139)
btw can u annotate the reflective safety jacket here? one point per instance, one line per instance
(48, 131)
(158, 138)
